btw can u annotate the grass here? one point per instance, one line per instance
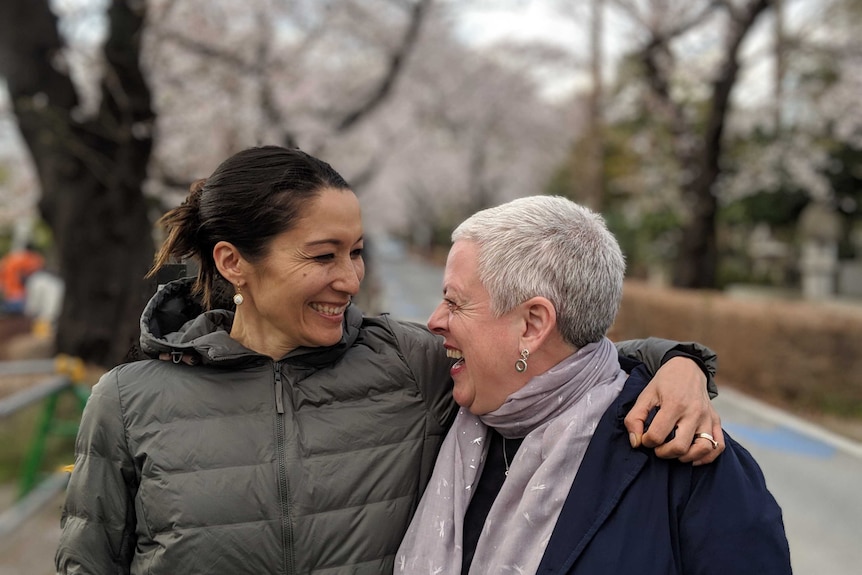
(19, 429)
(841, 407)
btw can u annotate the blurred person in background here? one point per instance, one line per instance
(537, 474)
(15, 268)
(288, 433)
(44, 301)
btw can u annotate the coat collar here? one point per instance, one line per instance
(175, 321)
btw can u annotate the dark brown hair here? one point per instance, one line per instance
(251, 197)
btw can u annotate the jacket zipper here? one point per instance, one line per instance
(283, 487)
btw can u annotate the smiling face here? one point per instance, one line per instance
(296, 296)
(486, 346)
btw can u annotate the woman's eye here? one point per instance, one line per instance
(324, 258)
(357, 253)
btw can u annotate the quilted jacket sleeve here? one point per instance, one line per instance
(98, 519)
(652, 351)
(427, 359)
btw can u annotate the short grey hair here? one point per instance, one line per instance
(552, 247)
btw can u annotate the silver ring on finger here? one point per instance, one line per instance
(706, 436)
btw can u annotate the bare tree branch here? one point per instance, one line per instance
(223, 56)
(659, 23)
(396, 64)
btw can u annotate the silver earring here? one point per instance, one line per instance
(521, 364)
(237, 297)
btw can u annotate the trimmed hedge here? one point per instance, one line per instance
(806, 353)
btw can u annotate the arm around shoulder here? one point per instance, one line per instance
(426, 358)
(654, 351)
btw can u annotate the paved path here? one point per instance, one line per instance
(30, 549)
(814, 475)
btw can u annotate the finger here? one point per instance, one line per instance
(636, 419)
(634, 423)
(685, 443)
(673, 449)
(699, 452)
(664, 431)
(693, 419)
(712, 454)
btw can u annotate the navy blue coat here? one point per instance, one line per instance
(630, 512)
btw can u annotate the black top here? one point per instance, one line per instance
(487, 488)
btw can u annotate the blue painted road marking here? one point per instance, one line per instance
(780, 439)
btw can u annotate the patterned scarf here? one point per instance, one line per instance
(556, 413)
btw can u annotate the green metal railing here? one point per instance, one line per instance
(63, 375)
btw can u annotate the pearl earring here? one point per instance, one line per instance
(237, 297)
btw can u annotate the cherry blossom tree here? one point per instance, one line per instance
(383, 89)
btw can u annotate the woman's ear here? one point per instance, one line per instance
(540, 321)
(229, 262)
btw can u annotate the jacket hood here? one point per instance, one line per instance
(175, 322)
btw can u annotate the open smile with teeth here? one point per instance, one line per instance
(329, 309)
(454, 353)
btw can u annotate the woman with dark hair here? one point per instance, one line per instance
(289, 434)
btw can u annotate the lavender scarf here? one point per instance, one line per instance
(556, 413)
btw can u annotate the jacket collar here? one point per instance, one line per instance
(175, 322)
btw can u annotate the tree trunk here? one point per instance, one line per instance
(91, 172)
(697, 263)
(595, 176)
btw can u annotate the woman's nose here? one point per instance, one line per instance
(349, 277)
(438, 320)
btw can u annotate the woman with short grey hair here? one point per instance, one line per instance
(536, 474)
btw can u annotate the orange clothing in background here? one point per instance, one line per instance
(14, 269)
